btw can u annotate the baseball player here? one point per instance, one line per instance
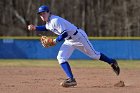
(74, 38)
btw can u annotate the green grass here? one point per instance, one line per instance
(74, 63)
(24, 62)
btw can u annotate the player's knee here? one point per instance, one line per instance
(61, 60)
(97, 57)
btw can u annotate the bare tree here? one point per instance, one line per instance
(96, 17)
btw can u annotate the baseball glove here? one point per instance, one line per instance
(47, 42)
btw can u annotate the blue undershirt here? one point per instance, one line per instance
(41, 28)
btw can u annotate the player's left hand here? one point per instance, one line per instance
(47, 42)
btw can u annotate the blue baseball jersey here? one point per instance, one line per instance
(59, 25)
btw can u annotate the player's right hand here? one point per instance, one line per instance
(31, 27)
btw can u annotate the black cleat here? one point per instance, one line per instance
(68, 83)
(115, 67)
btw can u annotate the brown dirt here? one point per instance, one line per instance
(47, 80)
(120, 84)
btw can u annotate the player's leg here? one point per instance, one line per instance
(63, 55)
(112, 62)
(99, 56)
(86, 47)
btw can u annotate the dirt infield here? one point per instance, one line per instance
(46, 80)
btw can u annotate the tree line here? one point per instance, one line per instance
(96, 17)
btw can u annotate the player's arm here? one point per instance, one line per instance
(62, 28)
(38, 28)
(61, 37)
(41, 28)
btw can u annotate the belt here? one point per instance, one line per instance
(73, 34)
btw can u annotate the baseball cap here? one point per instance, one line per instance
(43, 8)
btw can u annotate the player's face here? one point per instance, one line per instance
(44, 16)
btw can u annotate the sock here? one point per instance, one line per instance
(67, 69)
(106, 59)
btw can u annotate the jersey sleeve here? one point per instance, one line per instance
(60, 25)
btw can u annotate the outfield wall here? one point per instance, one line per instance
(32, 49)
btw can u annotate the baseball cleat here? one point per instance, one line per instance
(115, 67)
(68, 83)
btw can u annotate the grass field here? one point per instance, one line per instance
(130, 64)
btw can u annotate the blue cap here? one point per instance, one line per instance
(43, 8)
